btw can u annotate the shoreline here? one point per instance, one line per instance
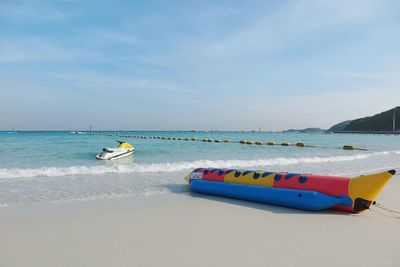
(369, 132)
(188, 229)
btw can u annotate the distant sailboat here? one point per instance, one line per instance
(12, 129)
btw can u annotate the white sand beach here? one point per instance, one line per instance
(185, 229)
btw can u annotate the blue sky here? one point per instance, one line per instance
(227, 65)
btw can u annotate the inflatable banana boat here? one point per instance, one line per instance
(300, 191)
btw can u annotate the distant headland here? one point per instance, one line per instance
(387, 122)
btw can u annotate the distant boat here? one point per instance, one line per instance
(13, 131)
(77, 132)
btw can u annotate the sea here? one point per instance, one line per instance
(58, 167)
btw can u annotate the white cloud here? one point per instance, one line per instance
(362, 75)
(32, 12)
(23, 50)
(274, 31)
(90, 80)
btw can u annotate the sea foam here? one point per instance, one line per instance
(10, 173)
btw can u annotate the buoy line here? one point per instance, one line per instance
(244, 142)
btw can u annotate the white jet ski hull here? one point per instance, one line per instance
(114, 155)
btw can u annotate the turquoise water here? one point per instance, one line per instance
(38, 167)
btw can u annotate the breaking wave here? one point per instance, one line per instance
(9, 173)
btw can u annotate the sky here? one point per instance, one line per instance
(205, 65)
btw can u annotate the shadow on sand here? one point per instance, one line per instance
(185, 189)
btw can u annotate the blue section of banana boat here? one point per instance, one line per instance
(298, 199)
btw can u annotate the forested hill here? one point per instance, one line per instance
(379, 122)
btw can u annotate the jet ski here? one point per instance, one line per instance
(123, 149)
